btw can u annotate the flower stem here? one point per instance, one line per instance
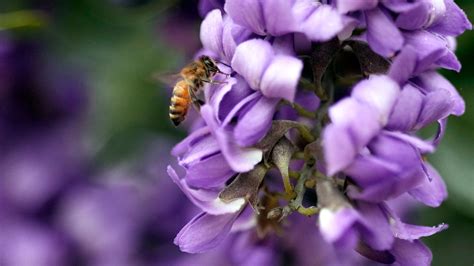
(300, 110)
(305, 133)
(296, 204)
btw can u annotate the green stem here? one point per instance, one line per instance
(301, 110)
(305, 133)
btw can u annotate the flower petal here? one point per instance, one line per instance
(409, 253)
(186, 143)
(421, 145)
(255, 123)
(251, 59)
(431, 192)
(382, 34)
(206, 200)
(210, 172)
(378, 234)
(278, 19)
(403, 66)
(247, 13)
(339, 151)
(322, 24)
(453, 24)
(358, 119)
(433, 81)
(333, 225)
(281, 77)
(430, 48)
(218, 94)
(436, 105)
(407, 109)
(202, 148)
(412, 232)
(380, 92)
(240, 159)
(211, 32)
(345, 6)
(414, 16)
(367, 170)
(204, 232)
(232, 35)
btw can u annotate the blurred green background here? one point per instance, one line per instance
(119, 44)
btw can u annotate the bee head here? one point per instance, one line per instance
(209, 63)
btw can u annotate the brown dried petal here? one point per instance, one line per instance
(281, 155)
(321, 57)
(370, 62)
(315, 149)
(276, 132)
(245, 185)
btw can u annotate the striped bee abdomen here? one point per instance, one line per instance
(179, 102)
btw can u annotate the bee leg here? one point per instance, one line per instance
(220, 62)
(214, 82)
(223, 73)
(197, 103)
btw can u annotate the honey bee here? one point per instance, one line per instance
(186, 90)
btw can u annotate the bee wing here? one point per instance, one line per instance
(168, 79)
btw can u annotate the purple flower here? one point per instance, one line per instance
(252, 97)
(59, 97)
(220, 35)
(320, 119)
(30, 243)
(318, 22)
(39, 167)
(391, 24)
(276, 76)
(370, 104)
(55, 209)
(197, 153)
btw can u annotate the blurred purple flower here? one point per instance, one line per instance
(49, 97)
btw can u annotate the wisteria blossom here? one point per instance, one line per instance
(319, 117)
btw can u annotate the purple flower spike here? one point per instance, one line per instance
(325, 98)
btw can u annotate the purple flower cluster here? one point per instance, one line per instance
(320, 117)
(55, 208)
